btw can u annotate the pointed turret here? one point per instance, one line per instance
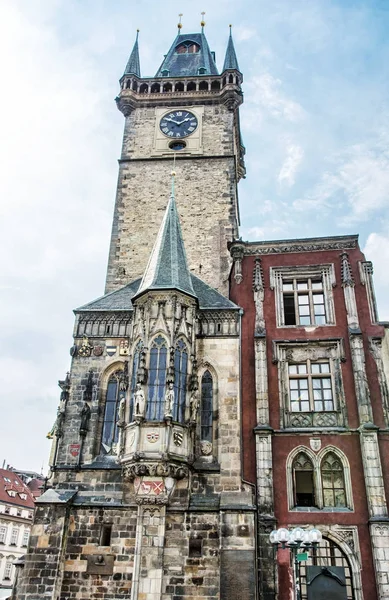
(167, 267)
(230, 61)
(133, 65)
(188, 56)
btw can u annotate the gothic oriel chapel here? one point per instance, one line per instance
(219, 389)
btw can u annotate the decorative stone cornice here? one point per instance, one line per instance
(155, 469)
(348, 242)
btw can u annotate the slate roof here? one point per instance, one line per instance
(9, 481)
(230, 61)
(167, 267)
(121, 300)
(133, 65)
(187, 65)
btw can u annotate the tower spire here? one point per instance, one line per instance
(133, 65)
(230, 61)
(168, 267)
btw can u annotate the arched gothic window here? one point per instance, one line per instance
(115, 393)
(135, 366)
(157, 380)
(327, 554)
(332, 478)
(188, 48)
(180, 372)
(303, 481)
(206, 415)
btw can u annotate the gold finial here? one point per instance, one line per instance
(173, 173)
(202, 22)
(179, 25)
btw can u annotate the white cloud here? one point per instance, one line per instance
(294, 157)
(377, 250)
(359, 179)
(242, 34)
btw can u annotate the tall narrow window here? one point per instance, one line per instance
(206, 407)
(114, 395)
(14, 536)
(135, 367)
(3, 534)
(332, 476)
(157, 380)
(26, 535)
(304, 490)
(180, 371)
(7, 570)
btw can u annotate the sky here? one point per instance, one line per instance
(315, 123)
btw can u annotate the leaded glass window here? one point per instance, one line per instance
(304, 302)
(180, 372)
(206, 407)
(332, 477)
(135, 366)
(157, 380)
(111, 414)
(304, 490)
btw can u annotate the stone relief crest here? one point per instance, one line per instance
(315, 444)
(206, 447)
(177, 437)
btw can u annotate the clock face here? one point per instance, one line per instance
(178, 124)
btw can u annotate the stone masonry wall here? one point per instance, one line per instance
(205, 193)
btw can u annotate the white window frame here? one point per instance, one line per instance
(3, 534)
(14, 536)
(325, 272)
(7, 570)
(26, 537)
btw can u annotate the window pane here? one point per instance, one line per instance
(316, 383)
(303, 299)
(292, 369)
(320, 320)
(303, 310)
(318, 299)
(287, 286)
(289, 310)
(328, 497)
(305, 406)
(325, 367)
(329, 405)
(317, 285)
(327, 394)
(302, 369)
(340, 498)
(304, 395)
(295, 407)
(318, 406)
(305, 320)
(293, 384)
(326, 383)
(302, 285)
(303, 383)
(315, 368)
(206, 406)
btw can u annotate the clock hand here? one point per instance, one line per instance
(172, 121)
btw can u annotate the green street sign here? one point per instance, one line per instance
(302, 556)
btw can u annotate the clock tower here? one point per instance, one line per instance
(188, 113)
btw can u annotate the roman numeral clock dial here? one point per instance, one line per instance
(178, 124)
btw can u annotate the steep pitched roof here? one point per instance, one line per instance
(14, 491)
(167, 267)
(121, 300)
(230, 61)
(188, 64)
(133, 65)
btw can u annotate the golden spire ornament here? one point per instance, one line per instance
(179, 24)
(202, 22)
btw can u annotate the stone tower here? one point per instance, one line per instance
(145, 497)
(191, 112)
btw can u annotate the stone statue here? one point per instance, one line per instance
(122, 411)
(57, 428)
(85, 416)
(139, 401)
(169, 400)
(194, 405)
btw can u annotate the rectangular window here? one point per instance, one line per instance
(7, 570)
(310, 387)
(14, 537)
(304, 302)
(26, 536)
(3, 534)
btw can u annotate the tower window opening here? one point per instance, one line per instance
(111, 413)
(106, 533)
(155, 88)
(179, 87)
(188, 48)
(180, 372)
(135, 86)
(128, 84)
(231, 79)
(167, 87)
(191, 87)
(177, 146)
(206, 416)
(204, 86)
(144, 89)
(215, 85)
